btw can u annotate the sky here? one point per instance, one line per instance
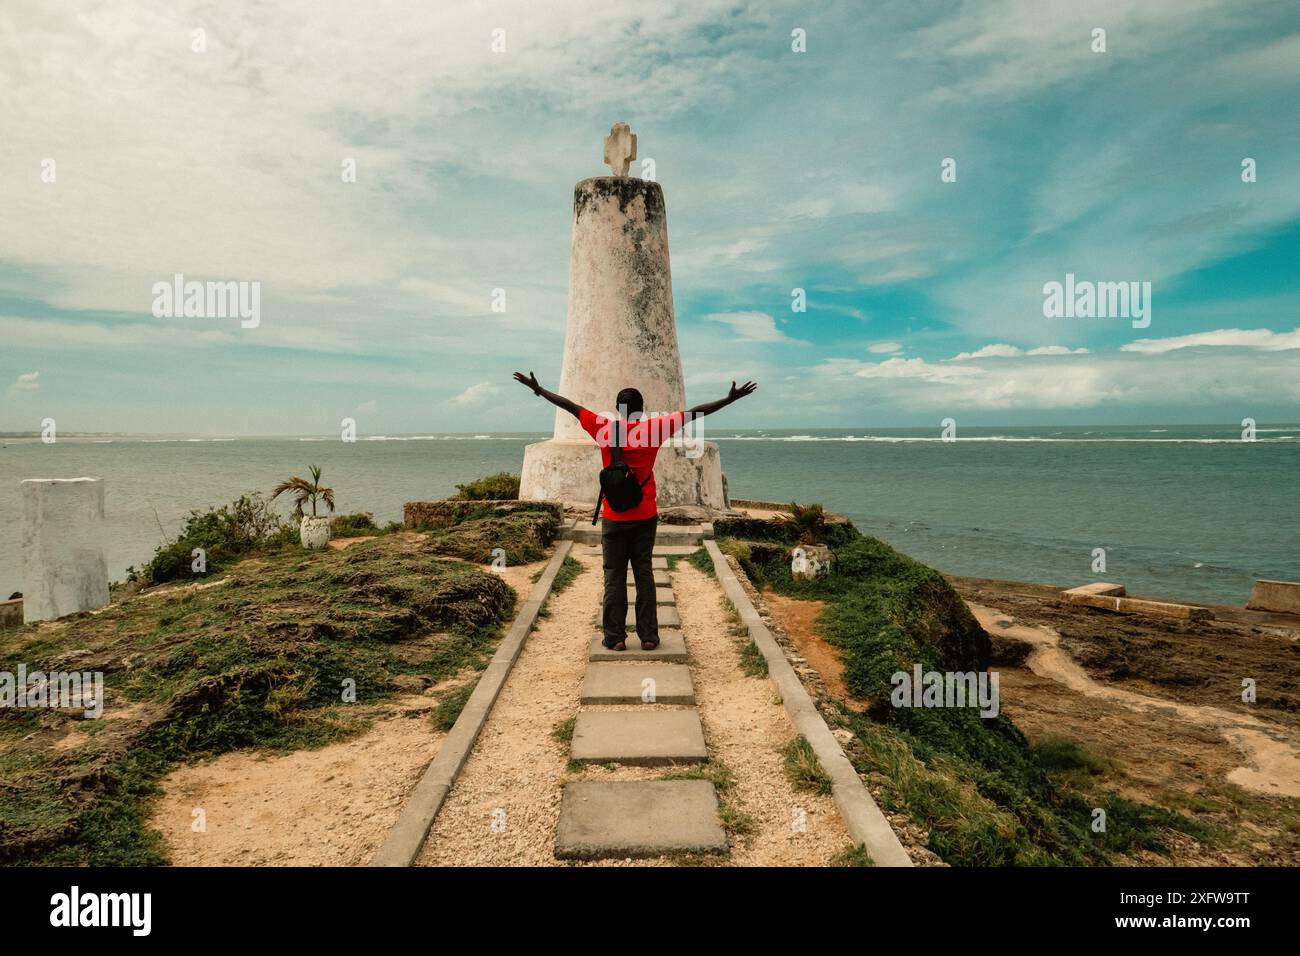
(133, 148)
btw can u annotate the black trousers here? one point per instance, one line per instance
(623, 543)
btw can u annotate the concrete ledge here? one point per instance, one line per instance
(1098, 588)
(408, 834)
(666, 535)
(863, 819)
(1281, 596)
(1128, 605)
(11, 613)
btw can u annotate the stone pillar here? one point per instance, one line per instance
(621, 332)
(64, 570)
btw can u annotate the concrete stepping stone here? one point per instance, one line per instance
(639, 738)
(646, 818)
(662, 596)
(668, 616)
(661, 579)
(658, 563)
(627, 683)
(672, 647)
(662, 551)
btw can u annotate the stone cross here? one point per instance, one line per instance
(620, 148)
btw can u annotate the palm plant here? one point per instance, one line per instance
(304, 491)
(807, 521)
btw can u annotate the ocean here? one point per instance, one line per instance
(1188, 512)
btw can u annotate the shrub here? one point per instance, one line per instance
(807, 523)
(498, 487)
(353, 525)
(225, 534)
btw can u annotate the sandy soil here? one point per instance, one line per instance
(746, 726)
(799, 618)
(518, 768)
(327, 807)
(1159, 699)
(1273, 762)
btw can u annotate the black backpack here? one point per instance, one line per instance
(618, 486)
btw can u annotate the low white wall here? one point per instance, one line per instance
(64, 570)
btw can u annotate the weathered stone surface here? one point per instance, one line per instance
(1281, 596)
(672, 647)
(638, 819)
(64, 570)
(621, 332)
(809, 561)
(668, 617)
(1103, 588)
(11, 612)
(639, 738)
(620, 148)
(659, 563)
(661, 578)
(662, 596)
(637, 683)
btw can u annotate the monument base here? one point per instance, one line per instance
(568, 471)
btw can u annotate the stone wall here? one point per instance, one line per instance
(432, 515)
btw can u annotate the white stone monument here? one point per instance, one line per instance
(64, 570)
(621, 333)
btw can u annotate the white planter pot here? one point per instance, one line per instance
(315, 532)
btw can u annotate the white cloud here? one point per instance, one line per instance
(1002, 350)
(1247, 380)
(25, 384)
(475, 394)
(753, 327)
(885, 348)
(1262, 339)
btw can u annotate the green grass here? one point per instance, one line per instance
(260, 661)
(752, 661)
(450, 705)
(853, 856)
(563, 730)
(802, 768)
(734, 820)
(701, 560)
(986, 797)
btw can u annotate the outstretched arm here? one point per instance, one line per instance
(735, 395)
(530, 381)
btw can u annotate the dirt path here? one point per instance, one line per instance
(515, 774)
(327, 807)
(1274, 763)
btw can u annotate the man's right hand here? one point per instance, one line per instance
(530, 381)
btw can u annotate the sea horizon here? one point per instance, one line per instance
(1184, 512)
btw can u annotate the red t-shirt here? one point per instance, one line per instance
(641, 442)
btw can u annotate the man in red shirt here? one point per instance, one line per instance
(629, 536)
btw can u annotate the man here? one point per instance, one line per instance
(629, 536)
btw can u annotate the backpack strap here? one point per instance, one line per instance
(615, 458)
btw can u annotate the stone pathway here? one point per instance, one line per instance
(639, 710)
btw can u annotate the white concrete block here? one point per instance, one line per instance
(64, 570)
